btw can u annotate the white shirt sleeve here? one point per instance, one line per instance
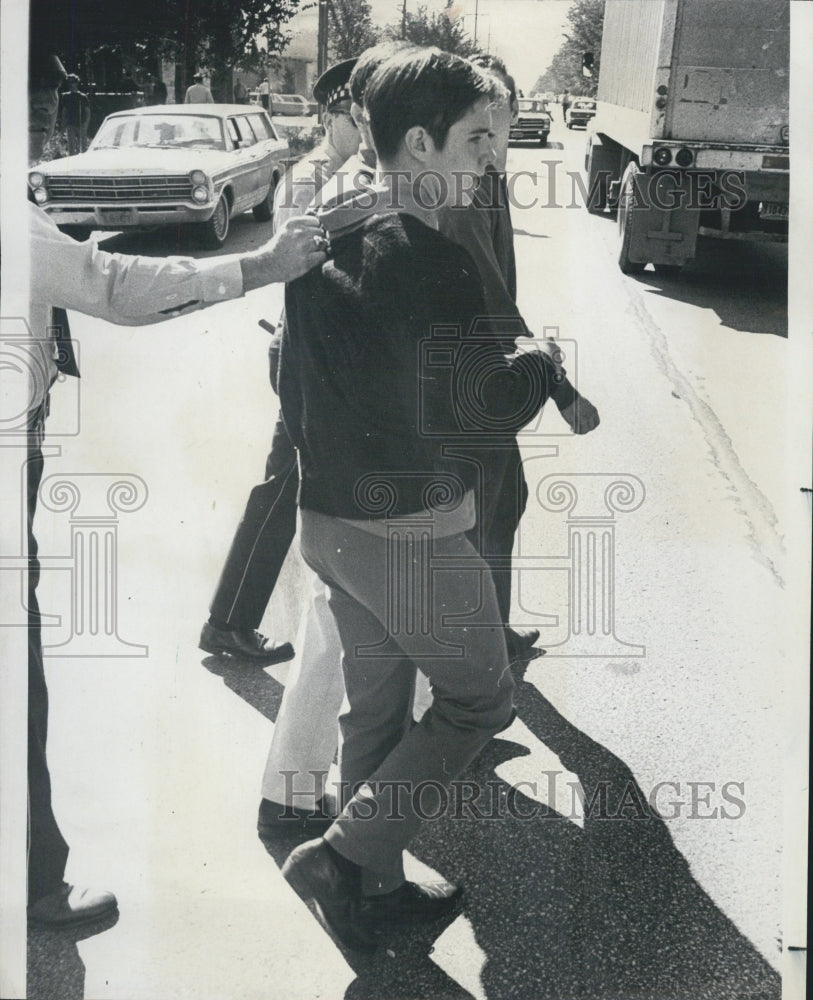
(128, 290)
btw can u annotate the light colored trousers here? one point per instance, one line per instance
(402, 601)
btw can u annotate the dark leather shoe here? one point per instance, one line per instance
(277, 820)
(335, 896)
(244, 644)
(413, 902)
(520, 640)
(69, 906)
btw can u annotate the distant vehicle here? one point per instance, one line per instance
(533, 121)
(691, 137)
(291, 104)
(580, 112)
(164, 165)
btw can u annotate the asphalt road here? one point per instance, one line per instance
(674, 699)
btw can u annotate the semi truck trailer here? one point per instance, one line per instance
(691, 134)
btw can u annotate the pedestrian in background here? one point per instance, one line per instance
(263, 90)
(240, 93)
(198, 93)
(566, 102)
(75, 110)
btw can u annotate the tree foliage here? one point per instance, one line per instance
(199, 34)
(586, 19)
(441, 29)
(350, 28)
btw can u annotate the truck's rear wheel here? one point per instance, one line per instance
(625, 209)
(599, 164)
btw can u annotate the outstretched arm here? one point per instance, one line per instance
(133, 290)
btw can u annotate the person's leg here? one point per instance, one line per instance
(47, 849)
(305, 732)
(254, 562)
(261, 541)
(507, 501)
(467, 666)
(502, 497)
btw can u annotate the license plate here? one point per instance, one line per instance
(118, 216)
(773, 210)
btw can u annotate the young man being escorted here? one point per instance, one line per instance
(377, 354)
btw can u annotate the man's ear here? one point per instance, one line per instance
(418, 142)
(357, 113)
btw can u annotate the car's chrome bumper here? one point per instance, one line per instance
(529, 133)
(125, 216)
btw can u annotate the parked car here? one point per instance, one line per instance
(290, 104)
(164, 165)
(533, 121)
(580, 111)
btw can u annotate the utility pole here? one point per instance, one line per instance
(476, 13)
(321, 46)
(403, 21)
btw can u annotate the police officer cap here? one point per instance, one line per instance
(332, 86)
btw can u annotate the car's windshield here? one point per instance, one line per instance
(293, 97)
(585, 104)
(160, 131)
(527, 105)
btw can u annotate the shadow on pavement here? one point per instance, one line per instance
(609, 911)
(249, 681)
(745, 284)
(55, 969)
(245, 233)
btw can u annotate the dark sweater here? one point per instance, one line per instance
(368, 384)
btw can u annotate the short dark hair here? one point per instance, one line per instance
(369, 61)
(424, 87)
(495, 66)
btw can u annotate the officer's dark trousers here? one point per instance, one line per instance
(503, 496)
(47, 850)
(262, 540)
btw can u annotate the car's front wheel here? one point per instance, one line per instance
(215, 230)
(264, 212)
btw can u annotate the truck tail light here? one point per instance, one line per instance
(662, 156)
(684, 157)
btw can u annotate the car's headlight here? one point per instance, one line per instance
(198, 178)
(40, 195)
(36, 179)
(199, 194)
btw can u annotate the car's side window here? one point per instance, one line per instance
(251, 123)
(232, 135)
(247, 136)
(262, 126)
